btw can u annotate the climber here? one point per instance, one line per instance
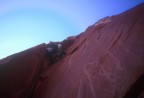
(60, 52)
(51, 50)
(55, 51)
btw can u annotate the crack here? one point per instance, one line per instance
(117, 39)
(77, 47)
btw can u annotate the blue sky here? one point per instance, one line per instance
(26, 23)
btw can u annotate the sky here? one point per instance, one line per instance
(27, 23)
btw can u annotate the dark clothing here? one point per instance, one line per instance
(53, 46)
(54, 52)
(60, 53)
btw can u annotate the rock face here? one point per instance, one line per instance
(105, 61)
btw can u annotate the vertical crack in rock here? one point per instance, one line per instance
(116, 39)
(77, 47)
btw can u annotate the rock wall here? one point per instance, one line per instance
(105, 61)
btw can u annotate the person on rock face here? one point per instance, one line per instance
(60, 52)
(55, 51)
(51, 50)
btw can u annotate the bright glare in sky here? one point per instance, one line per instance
(27, 23)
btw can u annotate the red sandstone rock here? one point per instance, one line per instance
(105, 61)
(19, 72)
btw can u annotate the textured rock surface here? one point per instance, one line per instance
(19, 72)
(105, 61)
